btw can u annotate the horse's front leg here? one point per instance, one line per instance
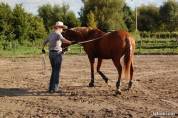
(92, 61)
(98, 70)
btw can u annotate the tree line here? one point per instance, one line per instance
(18, 25)
(163, 18)
(116, 14)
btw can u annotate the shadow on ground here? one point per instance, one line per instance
(66, 91)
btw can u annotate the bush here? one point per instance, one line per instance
(163, 35)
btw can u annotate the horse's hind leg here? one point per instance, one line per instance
(131, 76)
(119, 69)
(98, 70)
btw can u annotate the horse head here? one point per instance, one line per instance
(72, 35)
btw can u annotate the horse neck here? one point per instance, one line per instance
(81, 36)
(94, 34)
(88, 33)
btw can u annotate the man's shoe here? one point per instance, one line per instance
(56, 87)
(51, 91)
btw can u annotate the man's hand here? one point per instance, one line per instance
(43, 51)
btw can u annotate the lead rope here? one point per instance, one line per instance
(82, 42)
(43, 64)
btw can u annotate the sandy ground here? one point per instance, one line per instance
(23, 89)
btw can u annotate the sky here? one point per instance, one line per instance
(75, 5)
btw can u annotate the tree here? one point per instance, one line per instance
(52, 14)
(169, 15)
(5, 18)
(18, 26)
(6, 29)
(129, 18)
(148, 18)
(26, 26)
(45, 12)
(70, 20)
(91, 20)
(20, 23)
(37, 30)
(108, 13)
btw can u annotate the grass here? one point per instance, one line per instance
(157, 46)
(161, 51)
(27, 51)
(144, 46)
(75, 49)
(20, 52)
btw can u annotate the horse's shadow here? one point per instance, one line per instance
(71, 91)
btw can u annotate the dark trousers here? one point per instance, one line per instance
(55, 60)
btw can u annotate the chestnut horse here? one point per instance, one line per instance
(101, 45)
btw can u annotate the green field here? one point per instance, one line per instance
(29, 51)
(157, 46)
(144, 46)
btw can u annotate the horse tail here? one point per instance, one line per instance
(127, 57)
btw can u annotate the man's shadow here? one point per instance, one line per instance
(64, 92)
(13, 92)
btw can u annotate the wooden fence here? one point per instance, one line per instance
(144, 46)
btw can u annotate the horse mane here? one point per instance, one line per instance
(95, 33)
(72, 35)
(88, 32)
(81, 29)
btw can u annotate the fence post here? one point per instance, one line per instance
(140, 46)
(80, 49)
(175, 45)
(14, 50)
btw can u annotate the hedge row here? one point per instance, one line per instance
(163, 35)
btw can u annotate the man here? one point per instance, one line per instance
(55, 40)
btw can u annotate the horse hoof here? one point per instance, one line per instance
(127, 89)
(129, 86)
(108, 85)
(106, 80)
(91, 84)
(117, 93)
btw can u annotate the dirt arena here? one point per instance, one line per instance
(23, 89)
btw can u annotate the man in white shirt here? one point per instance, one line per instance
(55, 40)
